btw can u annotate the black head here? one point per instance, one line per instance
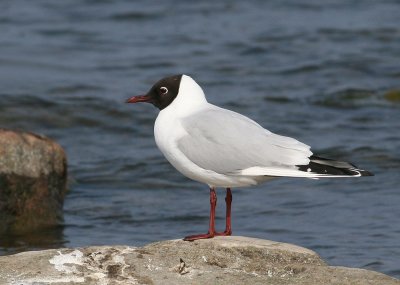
(162, 93)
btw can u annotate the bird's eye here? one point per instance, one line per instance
(164, 90)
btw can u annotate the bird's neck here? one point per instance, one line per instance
(190, 99)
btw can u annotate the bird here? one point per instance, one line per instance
(222, 148)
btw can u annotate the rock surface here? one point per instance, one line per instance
(221, 260)
(33, 175)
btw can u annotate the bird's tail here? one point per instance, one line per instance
(331, 168)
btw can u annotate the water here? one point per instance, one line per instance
(317, 71)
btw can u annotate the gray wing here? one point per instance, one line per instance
(227, 142)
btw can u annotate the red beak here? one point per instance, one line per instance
(140, 98)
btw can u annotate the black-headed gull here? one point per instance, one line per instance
(222, 148)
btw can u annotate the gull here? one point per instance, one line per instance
(222, 148)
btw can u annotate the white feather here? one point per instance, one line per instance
(285, 172)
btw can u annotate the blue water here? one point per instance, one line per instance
(314, 70)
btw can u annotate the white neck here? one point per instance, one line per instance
(189, 99)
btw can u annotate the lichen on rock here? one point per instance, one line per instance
(221, 260)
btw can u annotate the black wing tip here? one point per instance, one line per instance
(365, 172)
(328, 166)
(358, 172)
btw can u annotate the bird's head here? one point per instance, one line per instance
(162, 93)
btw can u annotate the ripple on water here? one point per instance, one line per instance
(351, 98)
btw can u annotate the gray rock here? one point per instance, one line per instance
(221, 260)
(33, 175)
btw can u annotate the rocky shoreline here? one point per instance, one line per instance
(33, 179)
(221, 260)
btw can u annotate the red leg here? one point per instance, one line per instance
(211, 229)
(228, 227)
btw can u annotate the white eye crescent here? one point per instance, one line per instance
(164, 90)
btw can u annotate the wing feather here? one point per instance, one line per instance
(226, 142)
